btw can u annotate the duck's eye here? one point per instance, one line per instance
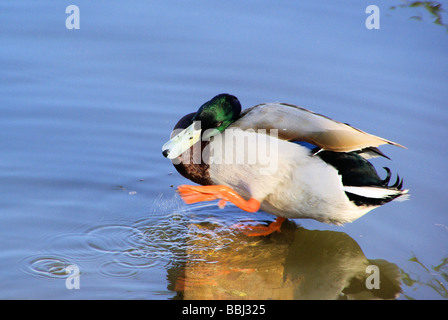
(218, 124)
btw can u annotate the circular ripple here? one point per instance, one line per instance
(46, 266)
(113, 239)
(131, 247)
(115, 270)
(73, 245)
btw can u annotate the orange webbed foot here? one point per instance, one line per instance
(193, 194)
(261, 230)
(190, 195)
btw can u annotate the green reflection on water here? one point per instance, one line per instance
(437, 275)
(434, 8)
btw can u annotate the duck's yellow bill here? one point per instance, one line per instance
(181, 142)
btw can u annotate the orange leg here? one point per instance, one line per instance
(193, 194)
(261, 230)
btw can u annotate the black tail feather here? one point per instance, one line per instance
(385, 182)
(357, 171)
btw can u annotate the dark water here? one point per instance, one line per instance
(83, 115)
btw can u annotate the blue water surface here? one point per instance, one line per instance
(84, 113)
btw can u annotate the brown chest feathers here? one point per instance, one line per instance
(193, 170)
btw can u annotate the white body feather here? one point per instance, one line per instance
(294, 185)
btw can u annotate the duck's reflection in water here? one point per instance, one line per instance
(294, 264)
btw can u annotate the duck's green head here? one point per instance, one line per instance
(212, 118)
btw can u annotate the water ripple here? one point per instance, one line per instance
(46, 266)
(162, 238)
(112, 238)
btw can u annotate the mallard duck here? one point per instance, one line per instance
(279, 158)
